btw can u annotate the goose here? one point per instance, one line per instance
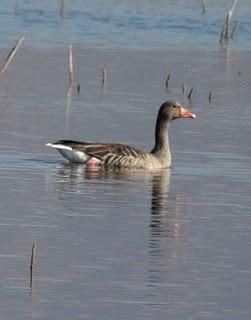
(125, 156)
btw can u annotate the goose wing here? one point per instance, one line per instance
(107, 153)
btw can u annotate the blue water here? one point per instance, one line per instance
(160, 23)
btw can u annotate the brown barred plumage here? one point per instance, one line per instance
(120, 155)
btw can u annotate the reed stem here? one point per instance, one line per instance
(11, 55)
(104, 78)
(16, 8)
(61, 8)
(190, 93)
(210, 95)
(71, 74)
(225, 29)
(32, 264)
(167, 80)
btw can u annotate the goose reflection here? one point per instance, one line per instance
(161, 222)
(76, 185)
(68, 181)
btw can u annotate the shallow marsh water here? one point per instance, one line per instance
(161, 23)
(126, 245)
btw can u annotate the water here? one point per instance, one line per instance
(159, 23)
(125, 245)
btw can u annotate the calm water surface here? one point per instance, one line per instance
(116, 245)
(126, 245)
(159, 23)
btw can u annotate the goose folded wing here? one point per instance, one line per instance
(102, 150)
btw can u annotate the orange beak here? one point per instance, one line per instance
(186, 113)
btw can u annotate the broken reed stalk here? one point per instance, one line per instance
(210, 95)
(104, 78)
(184, 88)
(70, 70)
(61, 9)
(190, 93)
(233, 30)
(203, 6)
(224, 32)
(10, 56)
(231, 10)
(70, 66)
(32, 263)
(225, 29)
(167, 80)
(16, 8)
(67, 113)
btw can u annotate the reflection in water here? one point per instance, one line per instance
(68, 180)
(167, 209)
(160, 224)
(167, 221)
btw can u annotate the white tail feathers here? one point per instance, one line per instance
(69, 153)
(58, 146)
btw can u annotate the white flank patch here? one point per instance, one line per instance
(58, 146)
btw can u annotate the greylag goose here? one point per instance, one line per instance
(125, 156)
